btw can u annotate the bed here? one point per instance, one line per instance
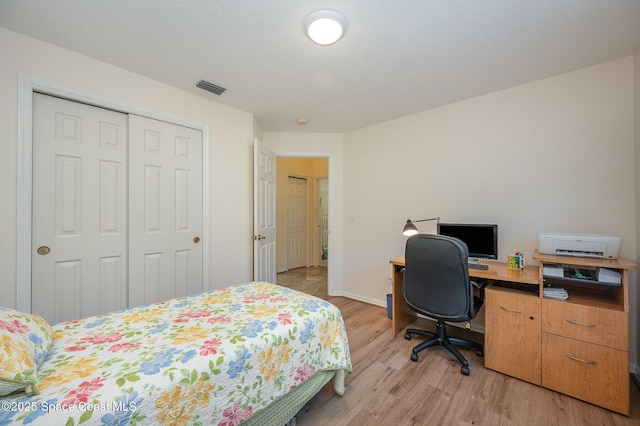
(251, 354)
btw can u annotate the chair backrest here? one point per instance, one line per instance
(436, 277)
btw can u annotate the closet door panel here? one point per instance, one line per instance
(165, 223)
(79, 235)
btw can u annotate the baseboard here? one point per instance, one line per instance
(360, 298)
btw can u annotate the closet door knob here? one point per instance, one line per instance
(44, 250)
(196, 240)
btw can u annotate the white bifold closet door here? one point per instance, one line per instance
(117, 210)
(165, 213)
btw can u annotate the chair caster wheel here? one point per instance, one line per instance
(465, 370)
(479, 352)
(414, 357)
(407, 336)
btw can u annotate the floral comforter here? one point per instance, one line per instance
(214, 358)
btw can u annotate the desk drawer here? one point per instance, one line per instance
(586, 371)
(604, 327)
(512, 334)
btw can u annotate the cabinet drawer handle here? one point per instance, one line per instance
(581, 360)
(517, 311)
(581, 323)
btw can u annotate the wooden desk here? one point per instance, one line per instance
(402, 316)
(578, 347)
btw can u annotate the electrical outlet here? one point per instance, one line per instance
(390, 280)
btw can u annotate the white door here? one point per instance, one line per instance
(117, 210)
(79, 222)
(165, 221)
(296, 222)
(264, 213)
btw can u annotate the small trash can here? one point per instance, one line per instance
(389, 301)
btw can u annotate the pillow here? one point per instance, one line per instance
(24, 343)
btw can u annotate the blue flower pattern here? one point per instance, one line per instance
(188, 355)
(97, 323)
(305, 334)
(159, 328)
(237, 366)
(128, 403)
(311, 306)
(252, 329)
(160, 360)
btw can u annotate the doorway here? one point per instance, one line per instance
(311, 169)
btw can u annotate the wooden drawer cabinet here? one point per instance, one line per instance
(586, 371)
(585, 339)
(604, 327)
(578, 346)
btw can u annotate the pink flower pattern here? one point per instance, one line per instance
(127, 346)
(209, 347)
(219, 320)
(235, 415)
(14, 326)
(99, 339)
(304, 372)
(284, 318)
(254, 298)
(83, 391)
(186, 316)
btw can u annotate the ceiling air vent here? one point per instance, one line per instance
(210, 87)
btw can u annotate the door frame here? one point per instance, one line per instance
(27, 85)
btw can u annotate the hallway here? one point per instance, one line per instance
(312, 280)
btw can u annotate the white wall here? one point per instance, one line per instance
(231, 153)
(556, 155)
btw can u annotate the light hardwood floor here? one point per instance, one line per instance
(387, 388)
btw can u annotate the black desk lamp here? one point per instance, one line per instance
(410, 229)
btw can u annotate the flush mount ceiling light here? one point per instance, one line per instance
(325, 27)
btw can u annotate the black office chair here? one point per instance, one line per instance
(436, 284)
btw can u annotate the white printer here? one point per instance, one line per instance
(581, 245)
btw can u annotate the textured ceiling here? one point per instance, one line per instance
(396, 58)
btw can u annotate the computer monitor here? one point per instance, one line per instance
(481, 239)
